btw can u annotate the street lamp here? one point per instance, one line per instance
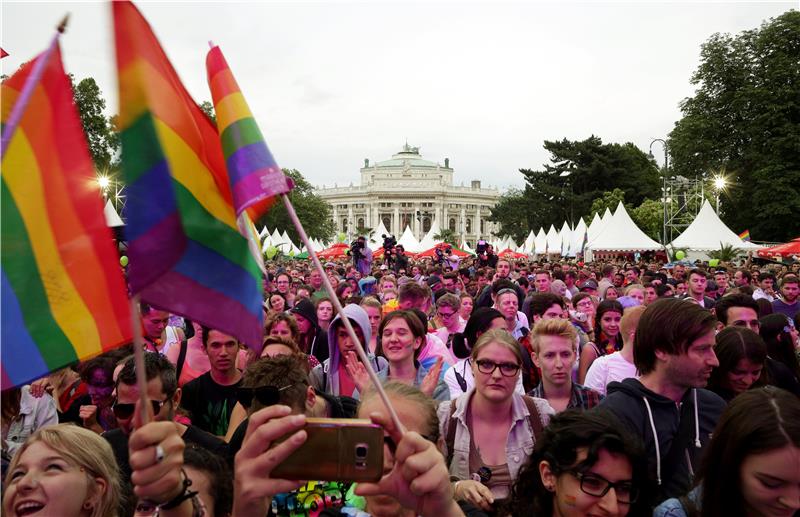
(664, 191)
(720, 182)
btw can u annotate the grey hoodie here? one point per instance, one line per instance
(325, 377)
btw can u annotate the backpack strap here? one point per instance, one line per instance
(534, 417)
(181, 359)
(450, 435)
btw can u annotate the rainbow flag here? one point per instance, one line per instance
(255, 178)
(745, 235)
(63, 295)
(186, 253)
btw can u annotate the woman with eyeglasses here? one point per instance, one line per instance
(752, 465)
(585, 464)
(484, 465)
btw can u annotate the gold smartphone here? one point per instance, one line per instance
(337, 449)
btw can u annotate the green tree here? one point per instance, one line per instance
(101, 137)
(578, 173)
(745, 118)
(208, 108)
(447, 235)
(608, 200)
(649, 216)
(314, 212)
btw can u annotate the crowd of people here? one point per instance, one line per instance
(551, 388)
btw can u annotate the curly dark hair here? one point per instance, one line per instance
(593, 430)
(220, 479)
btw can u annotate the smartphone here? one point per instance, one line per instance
(337, 449)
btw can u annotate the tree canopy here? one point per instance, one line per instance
(578, 173)
(744, 119)
(312, 210)
(99, 129)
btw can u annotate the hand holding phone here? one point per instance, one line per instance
(254, 481)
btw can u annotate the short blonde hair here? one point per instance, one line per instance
(631, 287)
(426, 404)
(84, 449)
(554, 327)
(500, 337)
(630, 320)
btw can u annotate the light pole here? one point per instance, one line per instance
(719, 185)
(664, 187)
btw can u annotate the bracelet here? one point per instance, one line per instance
(455, 488)
(180, 498)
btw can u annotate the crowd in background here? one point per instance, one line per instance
(526, 388)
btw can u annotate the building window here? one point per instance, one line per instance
(361, 222)
(452, 224)
(426, 224)
(469, 225)
(482, 227)
(405, 220)
(387, 222)
(344, 224)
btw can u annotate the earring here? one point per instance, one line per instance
(88, 505)
(549, 488)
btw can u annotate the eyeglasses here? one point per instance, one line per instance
(488, 367)
(446, 314)
(266, 395)
(125, 411)
(598, 486)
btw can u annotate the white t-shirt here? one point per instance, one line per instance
(464, 368)
(608, 368)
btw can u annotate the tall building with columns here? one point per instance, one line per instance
(408, 190)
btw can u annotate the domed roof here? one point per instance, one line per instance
(407, 156)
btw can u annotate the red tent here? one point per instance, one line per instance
(430, 252)
(338, 250)
(511, 254)
(782, 250)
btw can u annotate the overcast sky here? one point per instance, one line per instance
(482, 83)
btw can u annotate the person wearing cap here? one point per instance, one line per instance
(312, 340)
(589, 286)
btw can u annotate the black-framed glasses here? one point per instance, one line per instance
(125, 411)
(488, 367)
(597, 486)
(266, 395)
(447, 314)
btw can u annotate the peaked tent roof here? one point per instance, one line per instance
(528, 244)
(427, 240)
(113, 219)
(553, 241)
(409, 242)
(622, 234)
(594, 227)
(540, 242)
(566, 238)
(576, 243)
(707, 233)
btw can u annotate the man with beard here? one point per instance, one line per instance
(790, 290)
(674, 353)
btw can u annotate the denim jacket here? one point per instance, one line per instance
(520, 441)
(34, 413)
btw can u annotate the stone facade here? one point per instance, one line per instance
(410, 191)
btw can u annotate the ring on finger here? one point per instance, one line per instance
(160, 454)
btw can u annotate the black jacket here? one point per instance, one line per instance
(681, 431)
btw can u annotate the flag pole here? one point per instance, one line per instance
(138, 360)
(362, 354)
(30, 84)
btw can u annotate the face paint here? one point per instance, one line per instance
(569, 499)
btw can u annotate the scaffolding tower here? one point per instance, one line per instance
(683, 198)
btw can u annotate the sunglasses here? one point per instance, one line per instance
(125, 411)
(266, 395)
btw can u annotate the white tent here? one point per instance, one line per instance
(428, 241)
(527, 246)
(594, 227)
(622, 234)
(112, 217)
(409, 242)
(566, 239)
(264, 232)
(376, 241)
(540, 242)
(509, 244)
(465, 246)
(707, 233)
(276, 237)
(553, 242)
(266, 242)
(578, 234)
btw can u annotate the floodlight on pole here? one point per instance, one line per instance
(720, 182)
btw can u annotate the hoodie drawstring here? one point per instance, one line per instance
(696, 421)
(655, 437)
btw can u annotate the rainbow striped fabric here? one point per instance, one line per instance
(745, 235)
(186, 253)
(64, 297)
(254, 176)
